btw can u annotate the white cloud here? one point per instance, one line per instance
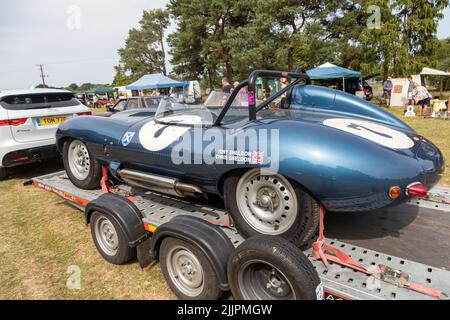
(35, 32)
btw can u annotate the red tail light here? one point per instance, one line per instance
(13, 122)
(416, 190)
(84, 113)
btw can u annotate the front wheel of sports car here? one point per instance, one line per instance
(82, 169)
(271, 205)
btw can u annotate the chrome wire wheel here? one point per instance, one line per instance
(268, 203)
(106, 235)
(79, 160)
(185, 271)
(259, 280)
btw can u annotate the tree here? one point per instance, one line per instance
(72, 87)
(382, 43)
(229, 38)
(203, 40)
(121, 78)
(144, 50)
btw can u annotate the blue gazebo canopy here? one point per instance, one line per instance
(331, 71)
(155, 81)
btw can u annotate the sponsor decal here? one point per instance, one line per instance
(127, 137)
(377, 133)
(251, 157)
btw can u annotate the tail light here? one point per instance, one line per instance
(416, 190)
(89, 113)
(13, 122)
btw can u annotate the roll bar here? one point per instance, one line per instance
(298, 75)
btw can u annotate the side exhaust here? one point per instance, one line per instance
(160, 184)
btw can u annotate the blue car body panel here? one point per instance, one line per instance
(343, 171)
(314, 98)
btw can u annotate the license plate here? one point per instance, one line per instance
(50, 121)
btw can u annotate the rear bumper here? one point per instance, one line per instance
(37, 154)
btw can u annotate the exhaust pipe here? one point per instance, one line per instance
(37, 157)
(159, 184)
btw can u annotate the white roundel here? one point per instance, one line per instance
(156, 136)
(374, 132)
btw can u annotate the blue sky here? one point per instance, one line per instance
(34, 32)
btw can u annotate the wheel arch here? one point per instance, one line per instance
(223, 178)
(210, 239)
(124, 212)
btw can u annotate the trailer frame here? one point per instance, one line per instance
(340, 283)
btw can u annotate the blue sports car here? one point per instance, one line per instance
(274, 167)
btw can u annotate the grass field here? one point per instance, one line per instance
(41, 237)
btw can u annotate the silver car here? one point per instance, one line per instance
(28, 122)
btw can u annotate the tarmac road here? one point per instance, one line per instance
(411, 232)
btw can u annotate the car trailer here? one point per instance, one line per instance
(194, 241)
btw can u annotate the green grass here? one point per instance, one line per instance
(41, 236)
(436, 130)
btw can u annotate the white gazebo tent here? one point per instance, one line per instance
(436, 73)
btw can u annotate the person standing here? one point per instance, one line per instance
(410, 91)
(422, 98)
(95, 101)
(226, 86)
(387, 89)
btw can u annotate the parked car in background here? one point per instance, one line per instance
(145, 102)
(28, 123)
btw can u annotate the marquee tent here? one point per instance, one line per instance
(436, 73)
(331, 71)
(155, 81)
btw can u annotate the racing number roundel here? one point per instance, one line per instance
(374, 132)
(158, 136)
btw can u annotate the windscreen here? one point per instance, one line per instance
(172, 112)
(39, 101)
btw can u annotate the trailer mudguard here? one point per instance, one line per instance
(213, 242)
(124, 212)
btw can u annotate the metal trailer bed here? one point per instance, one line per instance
(339, 282)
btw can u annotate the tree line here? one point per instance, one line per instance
(230, 38)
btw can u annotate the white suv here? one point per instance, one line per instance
(28, 123)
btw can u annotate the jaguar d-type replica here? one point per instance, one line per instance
(274, 167)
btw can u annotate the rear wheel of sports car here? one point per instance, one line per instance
(83, 170)
(271, 205)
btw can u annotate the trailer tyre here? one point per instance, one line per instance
(82, 168)
(271, 268)
(187, 271)
(110, 239)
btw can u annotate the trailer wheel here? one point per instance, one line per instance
(110, 240)
(187, 271)
(271, 268)
(271, 205)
